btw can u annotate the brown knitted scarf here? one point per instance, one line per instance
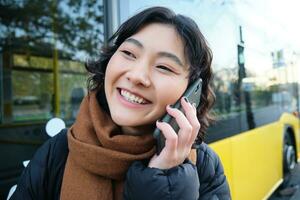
(99, 155)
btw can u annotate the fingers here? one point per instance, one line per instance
(181, 119)
(185, 128)
(170, 135)
(188, 123)
(191, 115)
(177, 146)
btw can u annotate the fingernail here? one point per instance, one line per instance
(194, 105)
(186, 99)
(169, 106)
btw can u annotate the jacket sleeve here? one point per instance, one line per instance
(146, 183)
(213, 182)
(35, 178)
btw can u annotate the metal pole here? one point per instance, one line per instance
(111, 17)
(55, 64)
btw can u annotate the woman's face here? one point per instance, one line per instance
(146, 73)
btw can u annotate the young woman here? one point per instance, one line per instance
(109, 152)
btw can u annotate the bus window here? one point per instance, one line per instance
(42, 57)
(32, 93)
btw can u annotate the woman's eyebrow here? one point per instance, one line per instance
(160, 54)
(135, 42)
(171, 56)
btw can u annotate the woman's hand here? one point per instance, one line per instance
(177, 146)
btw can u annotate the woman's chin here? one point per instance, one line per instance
(125, 121)
(133, 126)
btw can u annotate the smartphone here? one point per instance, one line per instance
(193, 94)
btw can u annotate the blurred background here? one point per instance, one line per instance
(256, 48)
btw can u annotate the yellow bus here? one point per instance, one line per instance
(256, 80)
(256, 161)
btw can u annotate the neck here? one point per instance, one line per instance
(138, 130)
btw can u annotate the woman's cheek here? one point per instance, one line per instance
(170, 93)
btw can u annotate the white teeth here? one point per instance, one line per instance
(140, 101)
(131, 97)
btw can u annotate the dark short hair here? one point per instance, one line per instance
(196, 52)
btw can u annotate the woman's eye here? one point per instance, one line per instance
(128, 53)
(165, 68)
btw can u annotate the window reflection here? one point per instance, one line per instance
(31, 95)
(34, 38)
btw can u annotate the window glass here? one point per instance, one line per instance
(31, 95)
(256, 58)
(43, 46)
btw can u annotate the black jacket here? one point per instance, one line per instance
(42, 178)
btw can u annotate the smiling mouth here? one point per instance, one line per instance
(132, 97)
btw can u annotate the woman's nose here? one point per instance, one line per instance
(139, 75)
